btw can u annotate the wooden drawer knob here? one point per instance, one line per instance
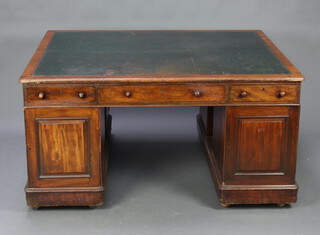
(197, 93)
(127, 93)
(81, 95)
(41, 95)
(282, 94)
(243, 94)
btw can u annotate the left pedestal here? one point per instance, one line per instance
(67, 156)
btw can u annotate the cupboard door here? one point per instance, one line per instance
(262, 145)
(64, 147)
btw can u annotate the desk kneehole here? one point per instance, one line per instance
(153, 94)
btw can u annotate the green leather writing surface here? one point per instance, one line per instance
(157, 53)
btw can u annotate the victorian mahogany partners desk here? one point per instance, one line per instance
(247, 90)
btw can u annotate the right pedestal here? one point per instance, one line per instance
(251, 152)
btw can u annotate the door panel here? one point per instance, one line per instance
(261, 145)
(64, 147)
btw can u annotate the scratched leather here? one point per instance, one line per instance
(157, 53)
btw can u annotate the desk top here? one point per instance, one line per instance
(160, 56)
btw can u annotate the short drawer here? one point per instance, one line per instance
(165, 94)
(65, 95)
(265, 93)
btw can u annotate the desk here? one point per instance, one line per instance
(247, 90)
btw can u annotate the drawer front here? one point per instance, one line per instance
(265, 93)
(60, 95)
(171, 94)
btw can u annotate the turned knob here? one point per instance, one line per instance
(81, 95)
(197, 93)
(127, 93)
(243, 94)
(282, 94)
(41, 95)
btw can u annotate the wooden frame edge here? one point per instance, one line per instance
(34, 62)
(278, 53)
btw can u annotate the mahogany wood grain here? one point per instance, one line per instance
(270, 135)
(64, 147)
(71, 194)
(91, 198)
(59, 95)
(256, 183)
(260, 145)
(206, 114)
(73, 158)
(218, 137)
(265, 93)
(161, 94)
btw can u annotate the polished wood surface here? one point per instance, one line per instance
(162, 94)
(267, 135)
(187, 94)
(67, 156)
(248, 119)
(55, 160)
(64, 139)
(265, 93)
(247, 170)
(266, 150)
(59, 95)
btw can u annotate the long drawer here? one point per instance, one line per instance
(155, 94)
